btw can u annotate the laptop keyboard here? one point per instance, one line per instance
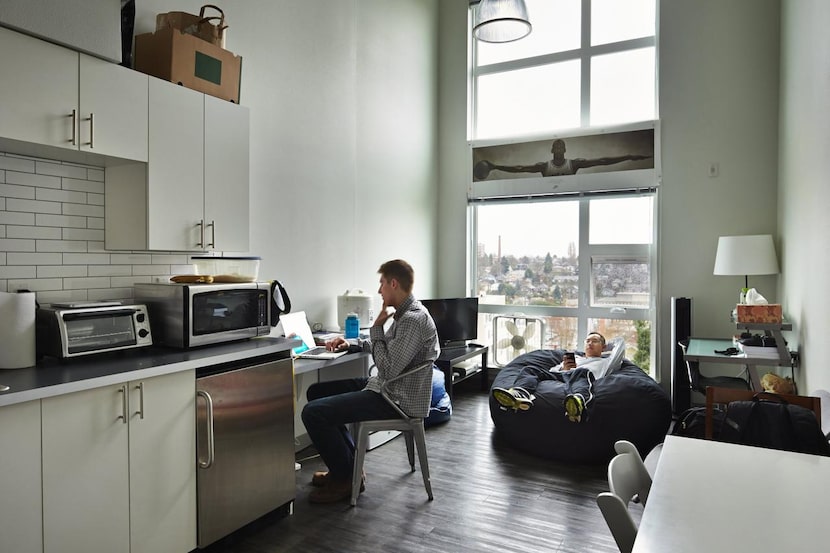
(315, 350)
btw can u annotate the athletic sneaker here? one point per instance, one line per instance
(516, 398)
(574, 406)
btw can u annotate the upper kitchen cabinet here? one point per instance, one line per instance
(192, 195)
(66, 101)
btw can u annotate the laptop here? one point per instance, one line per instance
(296, 323)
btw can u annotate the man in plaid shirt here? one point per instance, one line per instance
(409, 341)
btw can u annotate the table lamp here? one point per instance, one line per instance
(746, 255)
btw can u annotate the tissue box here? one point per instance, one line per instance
(766, 314)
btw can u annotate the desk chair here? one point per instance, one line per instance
(725, 395)
(699, 382)
(411, 427)
(627, 477)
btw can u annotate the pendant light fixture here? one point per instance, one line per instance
(501, 21)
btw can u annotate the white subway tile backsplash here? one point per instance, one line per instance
(14, 163)
(52, 236)
(15, 258)
(52, 271)
(32, 206)
(33, 179)
(18, 271)
(83, 234)
(14, 218)
(58, 169)
(46, 233)
(125, 282)
(61, 246)
(86, 258)
(83, 209)
(86, 283)
(84, 185)
(17, 191)
(130, 258)
(35, 284)
(17, 245)
(110, 270)
(60, 221)
(50, 195)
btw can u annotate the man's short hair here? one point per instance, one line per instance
(401, 271)
(601, 337)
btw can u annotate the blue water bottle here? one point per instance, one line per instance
(352, 326)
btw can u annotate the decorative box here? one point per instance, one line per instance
(765, 314)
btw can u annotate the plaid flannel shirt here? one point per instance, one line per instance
(411, 340)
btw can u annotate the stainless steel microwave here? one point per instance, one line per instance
(193, 315)
(72, 330)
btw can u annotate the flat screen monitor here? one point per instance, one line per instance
(456, 319)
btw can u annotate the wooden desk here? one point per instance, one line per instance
(714, 496)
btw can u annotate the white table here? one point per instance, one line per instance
(713, 496)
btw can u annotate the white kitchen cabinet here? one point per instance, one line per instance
(119, 468)
(21, 527)
(193, 193)
(163, 464)
(112, 118)
(58, 98)
(38, 90)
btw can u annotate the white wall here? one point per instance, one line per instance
(804, 170)
(344, 155)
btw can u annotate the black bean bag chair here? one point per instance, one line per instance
(628, 404)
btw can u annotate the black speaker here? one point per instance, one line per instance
(681, 329)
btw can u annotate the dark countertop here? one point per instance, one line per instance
(52, 377)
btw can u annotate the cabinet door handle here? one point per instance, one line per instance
(140, 411)
(201, 225)
(91, 128)
(212, 226)
(209, 420)
(123, 391)
(73, 116)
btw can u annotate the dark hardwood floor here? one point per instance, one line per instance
(488, 497)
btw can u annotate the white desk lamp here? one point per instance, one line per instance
(746, 255)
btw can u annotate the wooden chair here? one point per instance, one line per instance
(411, 427)
(715, 395)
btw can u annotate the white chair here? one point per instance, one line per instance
(628, 477)
(651, 460)
(411, 427)
(616, 515)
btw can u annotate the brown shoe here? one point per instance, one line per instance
(321, 477)
(332, 492)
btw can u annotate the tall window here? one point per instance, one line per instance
(581, 260)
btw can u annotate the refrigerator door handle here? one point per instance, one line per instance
(209, 421)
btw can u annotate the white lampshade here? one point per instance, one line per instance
(501, 21)
(746, 255)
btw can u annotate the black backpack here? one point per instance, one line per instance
(691, 423)
(769, 421)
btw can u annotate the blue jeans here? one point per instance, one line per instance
(331, 406)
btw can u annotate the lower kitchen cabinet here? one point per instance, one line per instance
(119, 468)
(21, 528)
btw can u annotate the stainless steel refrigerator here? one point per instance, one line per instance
(245, 445)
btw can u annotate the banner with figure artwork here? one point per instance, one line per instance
(571, 163)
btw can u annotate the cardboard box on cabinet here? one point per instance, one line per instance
(189, 61)
(767, 314)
